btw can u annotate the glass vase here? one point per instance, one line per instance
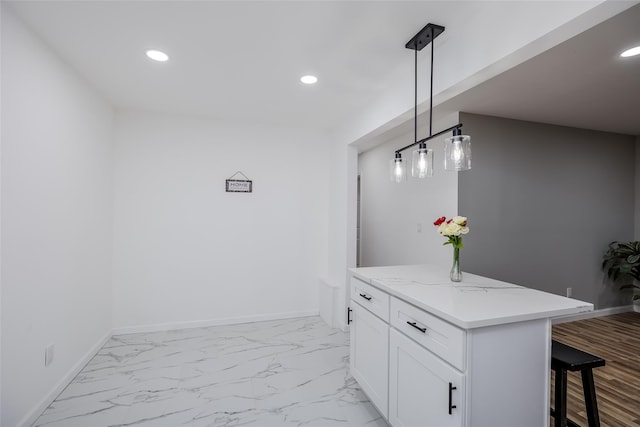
(456, 274)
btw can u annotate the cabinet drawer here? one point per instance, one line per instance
(440, 337)
(370, 298)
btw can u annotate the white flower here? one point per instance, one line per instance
(460, 220)
(442, 227)
(452, 229)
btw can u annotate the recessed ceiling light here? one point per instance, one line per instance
(157, 55)
(631, 52)
(309, 79)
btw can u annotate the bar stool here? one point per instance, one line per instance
(565, 358)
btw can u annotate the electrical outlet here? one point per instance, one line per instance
(48, 355)
(569, 292)
(419, 228)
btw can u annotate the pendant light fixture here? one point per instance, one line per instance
(457, 148)
(397, 169)
(457, 152)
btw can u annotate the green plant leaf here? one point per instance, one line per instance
(625, 269)
(629, 245)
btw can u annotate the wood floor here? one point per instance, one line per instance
(616, 339)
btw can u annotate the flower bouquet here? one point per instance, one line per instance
(453, 229)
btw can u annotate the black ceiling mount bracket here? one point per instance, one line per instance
(424, 37)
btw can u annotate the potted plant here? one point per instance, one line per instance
(621, 262)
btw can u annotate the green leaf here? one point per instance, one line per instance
(628, 246)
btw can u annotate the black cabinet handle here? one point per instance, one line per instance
(423, 330)
(451, 388)
(365, 297)
(349, 315)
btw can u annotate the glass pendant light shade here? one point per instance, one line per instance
(397, 169)
(422, 162)
(457, 152)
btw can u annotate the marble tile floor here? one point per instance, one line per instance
(278, 373)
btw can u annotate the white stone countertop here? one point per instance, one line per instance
(473, 303)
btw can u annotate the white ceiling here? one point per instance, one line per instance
(239, 60)
(582, 82)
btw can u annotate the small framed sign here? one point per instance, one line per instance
(239, 185)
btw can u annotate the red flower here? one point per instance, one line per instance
(439, 221)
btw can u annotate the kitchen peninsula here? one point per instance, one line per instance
(430, 352)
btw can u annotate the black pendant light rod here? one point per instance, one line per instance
(452, 128)
(431, 87)
(415, 98)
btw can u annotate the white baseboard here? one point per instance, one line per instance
(159, 327)
(33, 415)
(596, 313)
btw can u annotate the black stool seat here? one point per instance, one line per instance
(572, 359)
(566, 358)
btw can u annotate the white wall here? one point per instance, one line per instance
(186, 251)
(342, 222)
(392, 214)
(56, 221)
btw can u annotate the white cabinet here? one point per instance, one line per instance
(421, 370)
(369, 355)
(423, 390)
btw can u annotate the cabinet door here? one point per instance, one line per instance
(424, 391)
(369, 355)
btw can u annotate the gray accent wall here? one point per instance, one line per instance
(637, 193)
(543, 203)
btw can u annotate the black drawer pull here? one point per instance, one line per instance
(451, 407)
(349, 310)
(365, 297)
(423, 330)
